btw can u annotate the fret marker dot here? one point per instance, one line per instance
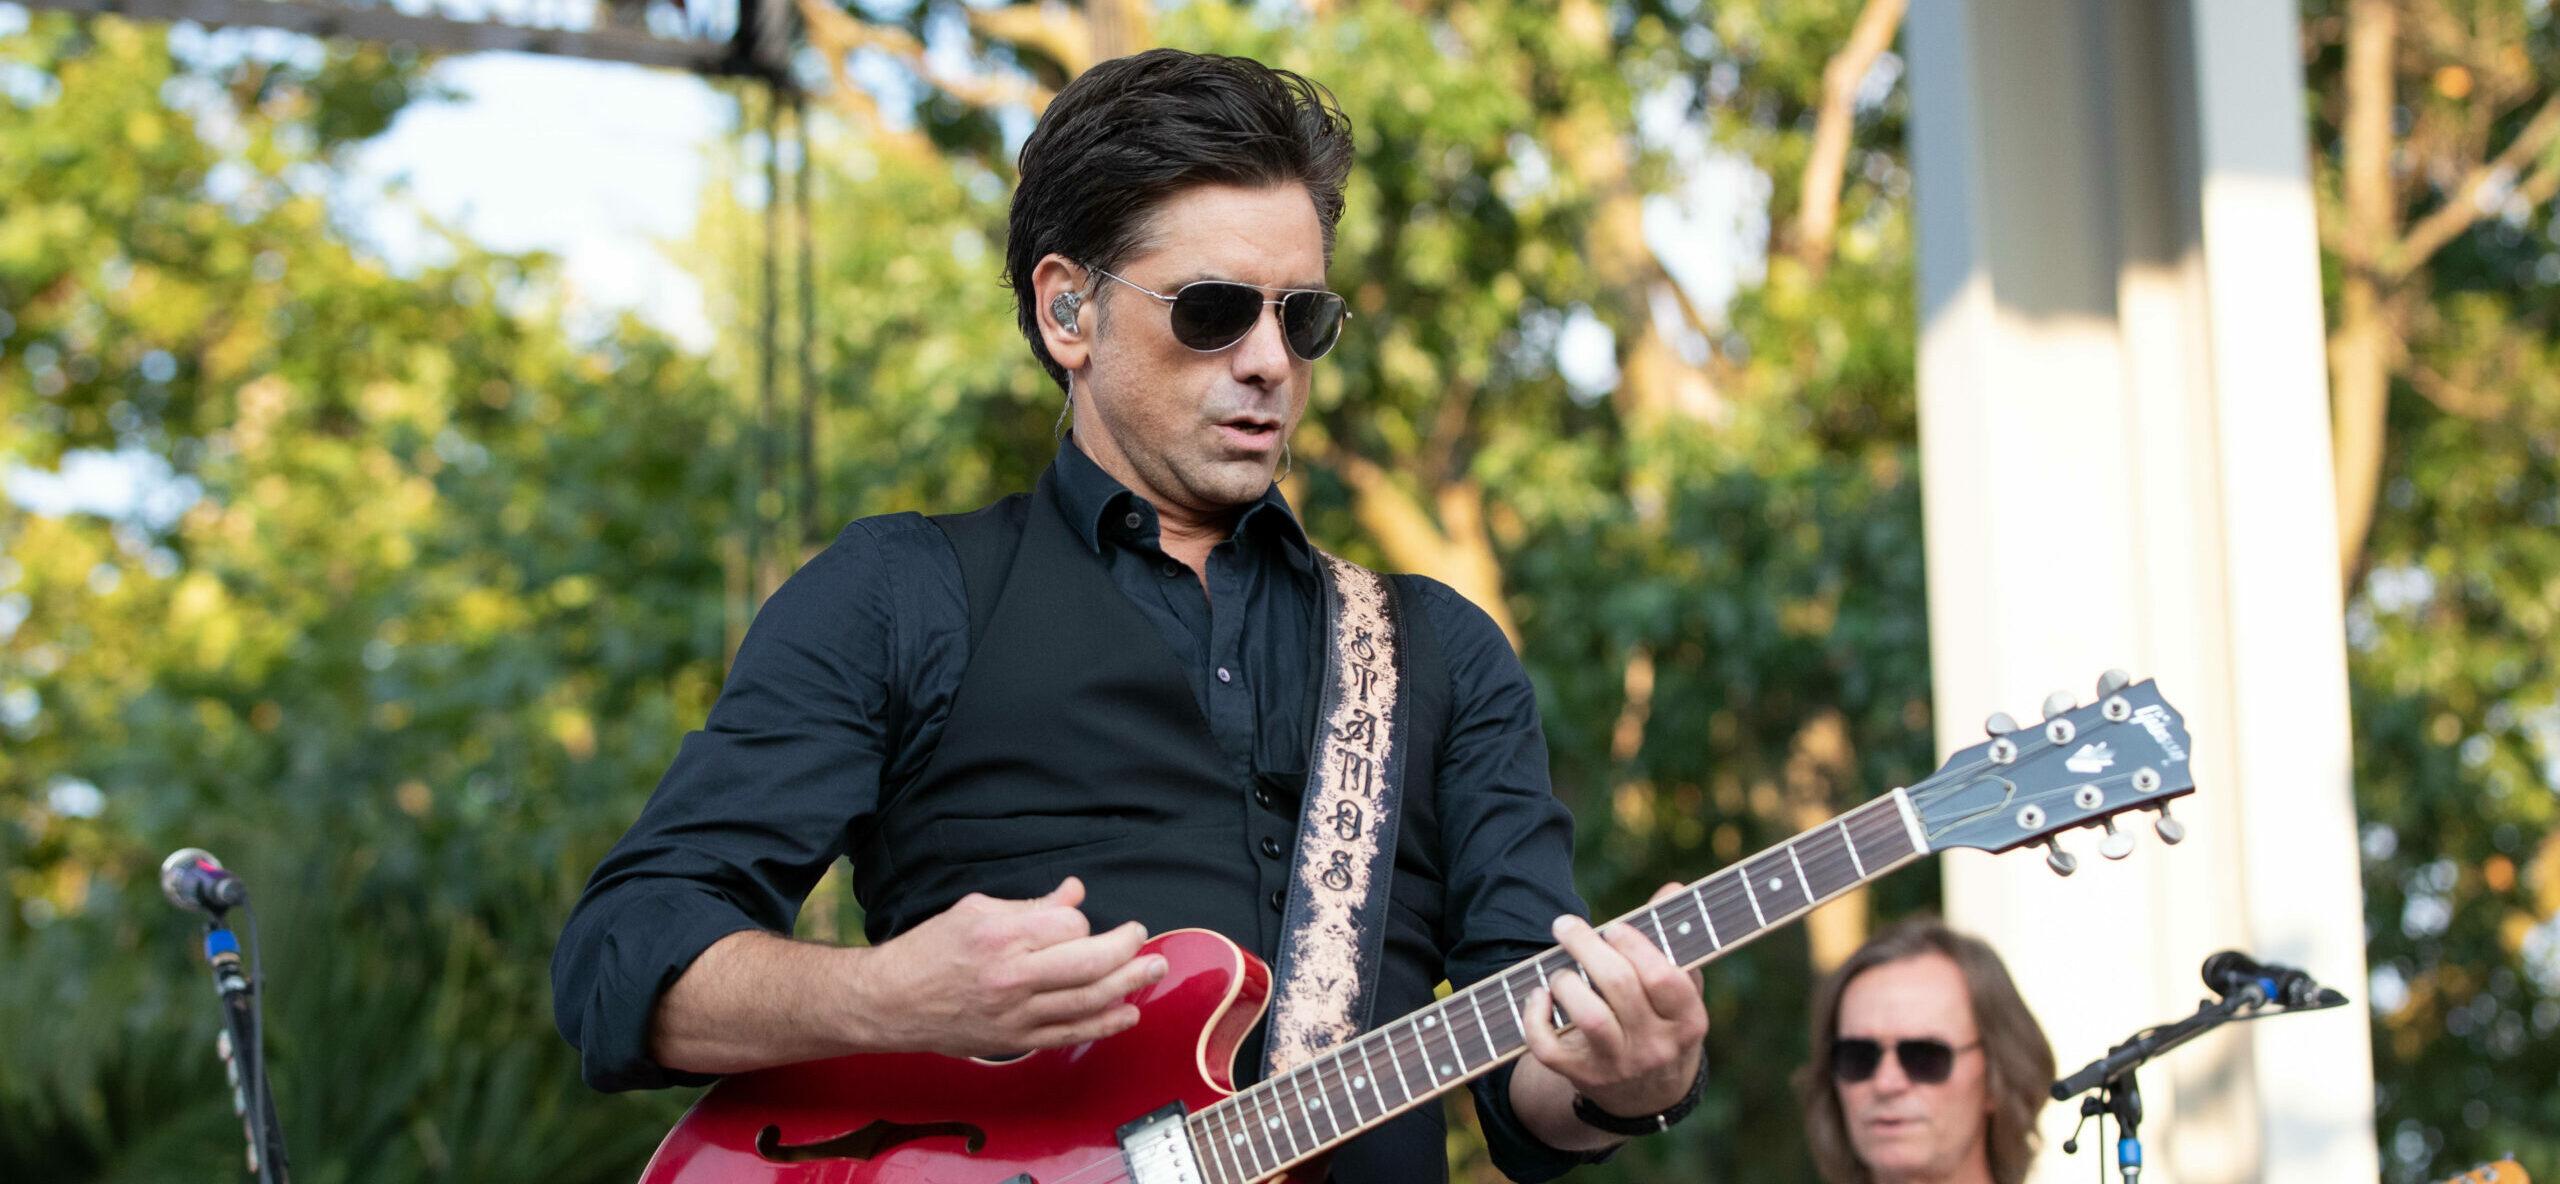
(1274, 1123)
(1238, 1140)
(1430, 1020)
(1358, 1082)
(1311, 1107)
(1447, 1070)
(1684, 927)
(1775, 883)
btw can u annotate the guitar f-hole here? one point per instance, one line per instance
(874, 1139)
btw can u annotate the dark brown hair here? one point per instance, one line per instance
(2019, 1062)
(1131, 132)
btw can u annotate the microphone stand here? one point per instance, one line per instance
(2109, 1080)
(243, 1051)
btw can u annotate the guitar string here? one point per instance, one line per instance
(1263, 1096)
(1409, 1036)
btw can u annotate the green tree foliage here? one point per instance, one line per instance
(1721, 604)
(441, 610)
(2453, 608)
(456, 583)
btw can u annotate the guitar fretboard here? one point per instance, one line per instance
(1363, 1082)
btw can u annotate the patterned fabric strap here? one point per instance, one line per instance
(1334, 926)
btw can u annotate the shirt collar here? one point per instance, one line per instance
(1099, 507)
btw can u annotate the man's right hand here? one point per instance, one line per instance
(984, 977)
(991, 977)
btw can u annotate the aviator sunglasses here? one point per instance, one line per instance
(1210, 315)
(1925, 1062)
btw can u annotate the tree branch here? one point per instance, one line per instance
(1818, 209)
(835, 36)
(2462, 207)
(839, 33)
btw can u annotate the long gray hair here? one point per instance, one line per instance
(2019, 1061)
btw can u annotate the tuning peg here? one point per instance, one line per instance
(2062, 862)
(2058, 702)
(1999, 724)
(2170, 830)
(2113, 681)
(2117, 844)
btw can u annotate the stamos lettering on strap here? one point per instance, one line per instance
(1334, 923)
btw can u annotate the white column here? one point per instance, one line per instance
(2126, 463)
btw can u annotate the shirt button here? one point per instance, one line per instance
(1132, 521)
(1279, 900)
(1262, 796)
(1224, 676)
(1172, 569)
(1271, 847)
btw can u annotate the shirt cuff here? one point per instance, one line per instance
(1516, 1153)
(633, 955)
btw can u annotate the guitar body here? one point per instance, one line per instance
(1056, 1116)
(918, 1118)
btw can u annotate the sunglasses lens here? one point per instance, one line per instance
(1855, 1060)
(1926, 1061)
(1313, 321)
(1212, 315)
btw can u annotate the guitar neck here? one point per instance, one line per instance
(1363, 1082)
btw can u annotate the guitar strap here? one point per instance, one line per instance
(1333, 930)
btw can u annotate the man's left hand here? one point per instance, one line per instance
(1638, 1022)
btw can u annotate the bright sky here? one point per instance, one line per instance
(604, 165)
(599, 164)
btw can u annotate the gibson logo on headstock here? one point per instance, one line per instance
(2155, 720)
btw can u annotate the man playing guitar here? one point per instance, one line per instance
(1046, 730)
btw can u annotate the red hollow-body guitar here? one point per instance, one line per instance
(1157, 1104)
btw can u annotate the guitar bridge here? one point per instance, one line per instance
(1157, 1149)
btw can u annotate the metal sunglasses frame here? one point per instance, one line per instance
(1285, 293)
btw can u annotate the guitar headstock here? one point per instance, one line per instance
(2081, 765)
(2505, 1171)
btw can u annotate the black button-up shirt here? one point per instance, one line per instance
(840, 691)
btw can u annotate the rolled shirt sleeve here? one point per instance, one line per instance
(1508, 842)
(754, 808)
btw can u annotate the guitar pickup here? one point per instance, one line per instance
(1157, 1149)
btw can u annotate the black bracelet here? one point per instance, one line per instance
(1591, 1115)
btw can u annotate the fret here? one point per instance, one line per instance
(1433, 1064)
(1698, 897)
(1324, 1098)
(1754, 898)
(1483, 1030)
(1369, 1072)
(1737, 914)
(1809, 893)
(1396, 1059)
(1422, 1044)
(1224, 1143)
(1832, 874)
(1852, 845)
(1509, 1036)
(1782, 899)
(1662, 938)
(1262, 1124)
(1304, 1112)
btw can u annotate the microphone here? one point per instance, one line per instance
(193, 879)
(2232, 973)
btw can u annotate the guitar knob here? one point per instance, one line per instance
(2170, 830)
(1999, 724)
(2117, 844)
(2058, 702)
(2113, 681)
(2062, 862)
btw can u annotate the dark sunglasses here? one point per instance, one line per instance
(1926, 1062)
(1210, 315)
